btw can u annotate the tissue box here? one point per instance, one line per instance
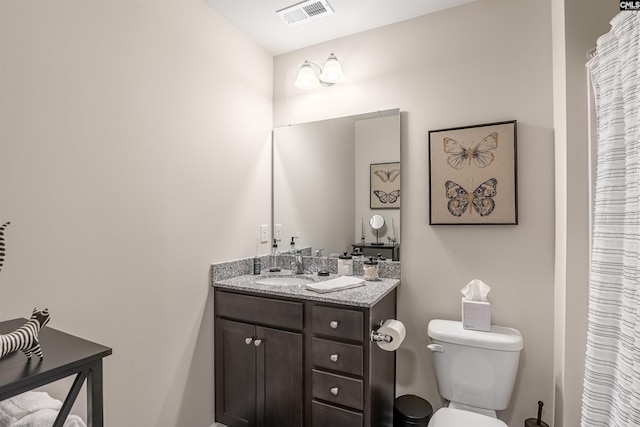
(476, 315)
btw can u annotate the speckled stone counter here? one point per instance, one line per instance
(233, 275)
(363, 296)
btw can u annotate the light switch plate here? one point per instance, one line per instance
(264, 233)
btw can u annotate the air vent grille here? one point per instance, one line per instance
(305, 11)
(315, 9)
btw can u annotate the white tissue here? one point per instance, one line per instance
(476, 290)
(476, 310)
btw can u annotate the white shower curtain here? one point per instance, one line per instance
(611, 395)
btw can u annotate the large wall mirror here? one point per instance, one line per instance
(324, 182)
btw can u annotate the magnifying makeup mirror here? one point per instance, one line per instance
(376, 222)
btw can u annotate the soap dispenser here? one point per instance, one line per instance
(256, 265)
(275, 256)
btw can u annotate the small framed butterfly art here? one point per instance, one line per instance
(473, 174)
(385, 186)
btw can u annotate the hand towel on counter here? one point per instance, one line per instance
(337, 284)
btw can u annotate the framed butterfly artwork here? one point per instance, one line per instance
(473, 174)
(385, 186)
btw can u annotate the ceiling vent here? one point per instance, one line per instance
(305, 11)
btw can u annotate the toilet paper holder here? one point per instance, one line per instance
(376, 336)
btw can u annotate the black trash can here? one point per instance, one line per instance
(411, 410)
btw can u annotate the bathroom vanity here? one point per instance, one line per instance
(287, 356)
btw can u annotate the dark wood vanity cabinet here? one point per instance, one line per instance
(258, 368)
(314, 364)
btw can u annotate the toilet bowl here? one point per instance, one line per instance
(475, 372)
(451, 417)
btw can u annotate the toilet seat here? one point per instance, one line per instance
(450, 417)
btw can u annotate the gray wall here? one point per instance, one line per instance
(482, 62)
(377, 141)
(134, 152)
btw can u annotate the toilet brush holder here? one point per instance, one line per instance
(536, 422)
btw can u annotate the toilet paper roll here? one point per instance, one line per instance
(396, 330)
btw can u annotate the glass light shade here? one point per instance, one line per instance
(307, 78)
(332, 71)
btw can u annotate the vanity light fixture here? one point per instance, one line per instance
(311, 75)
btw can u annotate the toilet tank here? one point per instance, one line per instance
(475, 368)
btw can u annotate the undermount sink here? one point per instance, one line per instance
(284, 281)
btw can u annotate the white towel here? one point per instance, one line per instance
(34, 409)
(46, 418)
(337, 284)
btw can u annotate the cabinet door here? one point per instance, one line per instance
(279, 380)
(235, 362)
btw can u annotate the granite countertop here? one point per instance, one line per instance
(363, 296)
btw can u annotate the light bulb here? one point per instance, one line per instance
(307, 78)
(332, 71)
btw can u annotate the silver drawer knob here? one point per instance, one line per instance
(334, 324)
(248, 340)
(334, 391)
(257, 342)
(334, 358)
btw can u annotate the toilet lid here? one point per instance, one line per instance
(450, 417)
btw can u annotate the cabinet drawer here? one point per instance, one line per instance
(337, 322)
(264, 311)
(337, 389)
(337, 356)
(323, 415)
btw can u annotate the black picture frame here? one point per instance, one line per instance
(384, 185)
(473, 175)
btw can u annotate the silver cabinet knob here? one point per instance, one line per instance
(334, 324)
(334, 391)
(248, 340)
(257, 342)
(334, 358)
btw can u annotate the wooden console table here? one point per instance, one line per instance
(64, 355)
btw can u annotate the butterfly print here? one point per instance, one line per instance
(391, 197)
(480, 154)
(388, 175)
(481, 200)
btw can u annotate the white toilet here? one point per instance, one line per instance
(475, 372)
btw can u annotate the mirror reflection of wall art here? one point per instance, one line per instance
(472, 174)
(385, 186)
